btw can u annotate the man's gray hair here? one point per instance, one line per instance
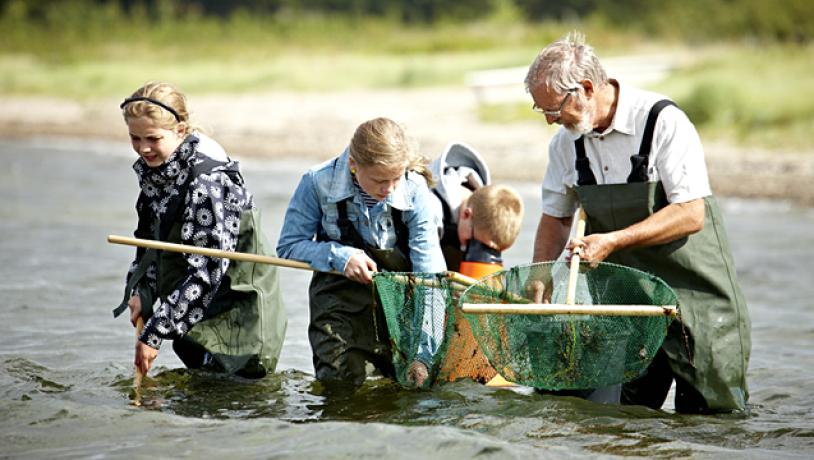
(563, 64)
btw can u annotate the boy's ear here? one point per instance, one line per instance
(466, 212)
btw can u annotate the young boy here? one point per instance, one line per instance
(472, 214)
(477, 221)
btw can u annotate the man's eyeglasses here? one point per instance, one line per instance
(555, 114)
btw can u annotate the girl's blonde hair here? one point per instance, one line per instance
(382, 141)
(165, 94)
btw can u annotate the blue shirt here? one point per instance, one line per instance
(312, 211)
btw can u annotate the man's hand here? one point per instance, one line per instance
(593, 248)
(145, 355)
(360, 268)
(538, 291)
(417, 373)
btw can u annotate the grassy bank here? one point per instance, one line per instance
(746, 93)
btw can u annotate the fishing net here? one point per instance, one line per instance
(426, 325)
(554, 352)
(571, 351)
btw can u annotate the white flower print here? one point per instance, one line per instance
(180, 310)
(186, 230)
(181, 328)
(202, 275)
(204, 217)
(182, 178)
(233, 224)
(172, 169)
(196, 261)
(215, 191)
(196, 315)
(188, 213)
(150, 190)
(224, 265)
(163, 327)
(161, 311)
(226, 240)
(199, 194)
(215, 276)
(233, 202)
(153, 341)
(173, 298)
(200, 239)
(219, 209)
(193, 292)
(217, 232)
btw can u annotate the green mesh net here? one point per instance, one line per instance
(571, 351)
(554, 352)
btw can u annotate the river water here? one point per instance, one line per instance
(65, 371)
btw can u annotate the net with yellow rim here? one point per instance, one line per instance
(549, 351)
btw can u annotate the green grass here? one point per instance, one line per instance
(752, 96)
(749, 94)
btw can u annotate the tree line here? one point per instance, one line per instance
(779, 20)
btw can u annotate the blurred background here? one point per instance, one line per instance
(294, 77)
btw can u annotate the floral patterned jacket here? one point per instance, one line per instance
(209, 214)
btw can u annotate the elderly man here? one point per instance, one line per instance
(634, 162)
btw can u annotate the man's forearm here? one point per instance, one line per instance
(551, 237)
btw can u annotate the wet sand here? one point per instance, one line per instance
(318, 125)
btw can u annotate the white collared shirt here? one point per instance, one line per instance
(676, 156)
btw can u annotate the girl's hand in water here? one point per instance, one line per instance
(145, 355)
(360, 268)
(417, 373)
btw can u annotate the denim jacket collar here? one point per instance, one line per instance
(342, 185)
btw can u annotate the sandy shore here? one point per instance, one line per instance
(319, 125)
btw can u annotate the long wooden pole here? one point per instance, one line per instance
(139, 376)
(573, 273)
(187, 249)
(570, 309)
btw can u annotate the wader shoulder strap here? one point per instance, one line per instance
(349, 235)
(640, 162)
(584, 174)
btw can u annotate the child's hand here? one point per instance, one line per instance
(145, 355)
(417, 373)
(360, 268)
(135, 308)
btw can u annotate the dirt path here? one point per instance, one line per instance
(318, 125)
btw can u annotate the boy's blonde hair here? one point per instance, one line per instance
(166, 94)
(497, 210)
(382, 141)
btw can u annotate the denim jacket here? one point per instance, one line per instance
(312, 211)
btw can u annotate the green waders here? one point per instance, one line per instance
(347, 327)
(707, 350)
(244, 325)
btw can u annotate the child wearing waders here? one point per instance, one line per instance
(364, 211)
(221, 315)
(477, 221)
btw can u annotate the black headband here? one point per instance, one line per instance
(152, 101)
